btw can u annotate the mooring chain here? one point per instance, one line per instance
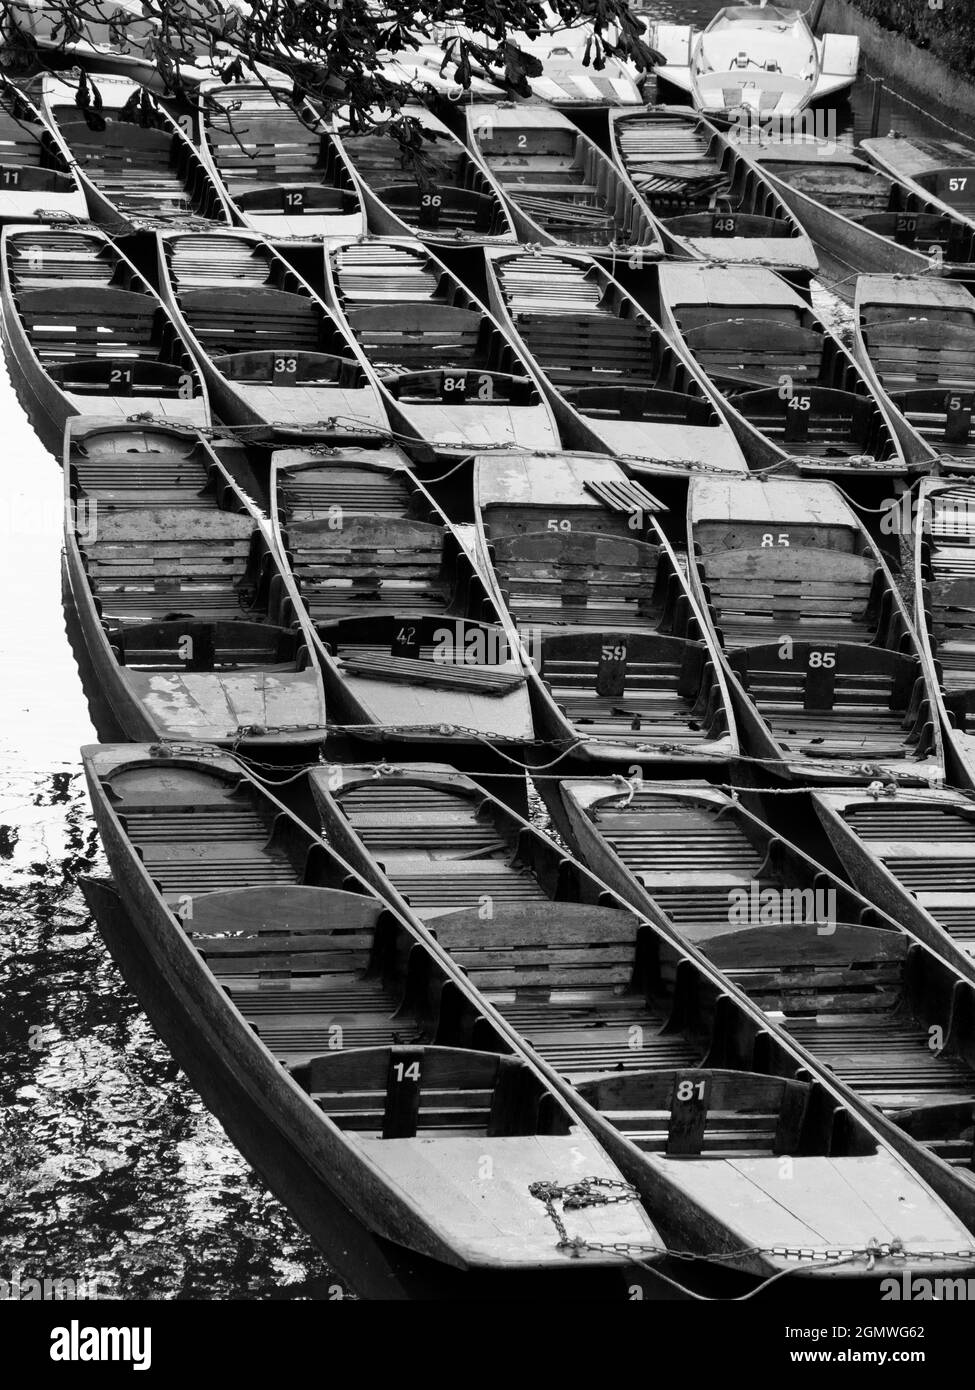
(593, 1191)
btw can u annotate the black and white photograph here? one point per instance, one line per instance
(487, 728)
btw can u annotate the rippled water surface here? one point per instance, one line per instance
(110, 1167)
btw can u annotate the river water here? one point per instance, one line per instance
(110, 1167)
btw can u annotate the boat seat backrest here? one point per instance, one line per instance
(755, 349)
(905, 352)
(804, 674)
(416, 333)
(93, 322)
(25, 143)
(551, 574)
(285, 931)
(401, 1092)
(639, 403)
(305, 492)
(536, 944)
(784, 582)
(697, 1112)
(185, 644)
(241, 320)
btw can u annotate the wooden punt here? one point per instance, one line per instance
(857, 993)
(793, 393)
(708, 203)
(86, 334)
(283, 169)
(404, 629)
(917, 337)
(913, 854)
(824, 665)
(561, 188)
(617, 385)
(861, 217)
(638, 1024)
(942, 170)
(568, 79)
(448, 374)
(161, 554)
(38, 27)
(273, 353)
(141, 170)
(443, 194)
(619, 667)
(295, 974)
(943, 526)
(38, 182)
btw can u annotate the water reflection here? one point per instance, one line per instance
(110, 1167)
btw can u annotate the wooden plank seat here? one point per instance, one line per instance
(525, 945)
(752, 351)
(756, 594)
(224, 838)
(296, 962)
(634, 403)
(418, 334)
(126, 376)
(578, 578)
(499, 388)
(280, 197)
(840, 423)
(372, 563)
(143, 170)
(232, 320)
(460, 209)
(478, 678)
(403, 1092)
(924, 230)
(746, 224)
(703, 1112)
(564, 976)
(947, 1129)
(930, 850)
(300, 368)
(25, 143)
(96, 322)
(927, 410)
(291, 930)
(667, 694)
(212, 645)
(49, 259)
(378, 158)
(305, 494)
(870, 701)
(277, 148)
(909, 353)
(852, 189)
(27, 178)
(202, 261)
(594, 350)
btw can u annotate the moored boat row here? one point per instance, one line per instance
(493, 443)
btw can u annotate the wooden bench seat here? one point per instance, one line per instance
(755, 594)
(908, 354)
(228, 321)
(401, 1092)
(579, 578)
(838, 422)
(869, 702)
(754, 351)
(703, 1112)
